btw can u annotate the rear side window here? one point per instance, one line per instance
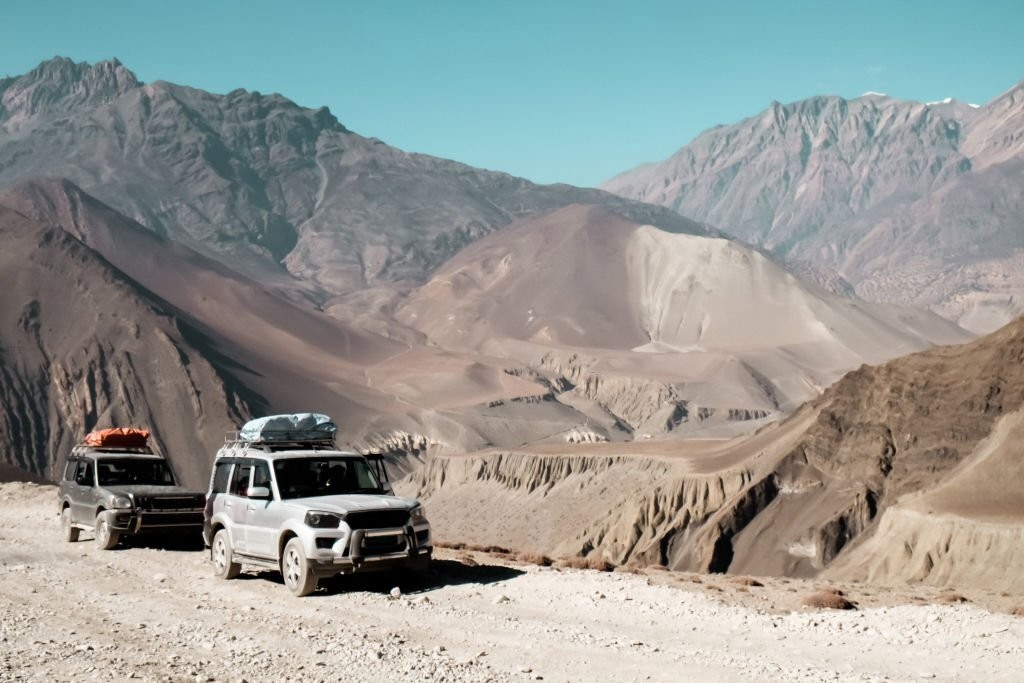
(69, 470)
(220, 477)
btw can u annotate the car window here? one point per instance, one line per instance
(376, 463)
(220, 477)
(69, 470)
(365, 479)
(261, 475)
(133, 471)
(84, 474)
(324, 475)
(240, 480)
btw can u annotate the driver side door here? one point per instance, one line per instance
(262, 515)
(235, 502)
(83, 493)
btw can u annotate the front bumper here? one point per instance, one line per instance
(369, 550)
(419, 562)
(132, 522)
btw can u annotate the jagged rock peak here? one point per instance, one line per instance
(59, 84)
(262, 104)
(109, 74)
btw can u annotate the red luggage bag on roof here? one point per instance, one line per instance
(118, 437)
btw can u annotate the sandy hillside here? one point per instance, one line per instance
(585, 276)
(906, 471)
(629, 313)
(72, 612)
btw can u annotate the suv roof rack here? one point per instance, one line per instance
(137, 450)
(280, 441)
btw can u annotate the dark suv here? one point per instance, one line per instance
(124, 491)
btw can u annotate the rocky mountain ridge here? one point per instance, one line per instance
(59, 87)
(910, 202)
(271, 188)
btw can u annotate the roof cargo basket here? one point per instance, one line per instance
(283, 432)
(279, 441)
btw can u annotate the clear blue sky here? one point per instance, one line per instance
(553, 91)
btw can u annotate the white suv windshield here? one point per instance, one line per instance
(324, 476)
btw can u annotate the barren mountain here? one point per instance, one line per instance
(82, 344)
(658, 329)
(631, 366)
(903, 471)
(281, 352)
(197, 199)
(259, 182)
(910, 202)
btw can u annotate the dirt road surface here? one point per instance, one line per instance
(69, 611)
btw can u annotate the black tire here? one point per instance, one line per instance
(295, 569)
(69, 530)
(106, 538)
(221, 556)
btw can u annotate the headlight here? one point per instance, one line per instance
(121, 503)
(322, 520)
(418, 514)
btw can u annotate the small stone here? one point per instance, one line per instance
(396, 592)
(500, 599)
(160, 578)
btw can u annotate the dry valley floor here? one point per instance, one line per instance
(72, 612)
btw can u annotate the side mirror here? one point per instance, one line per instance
(257, 492)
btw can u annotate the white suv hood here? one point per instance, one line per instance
(352, 503)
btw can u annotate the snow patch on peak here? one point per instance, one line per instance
(948, 100)
(872, 93)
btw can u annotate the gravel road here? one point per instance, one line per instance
(73, 612)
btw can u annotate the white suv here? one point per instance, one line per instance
(310, 511)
